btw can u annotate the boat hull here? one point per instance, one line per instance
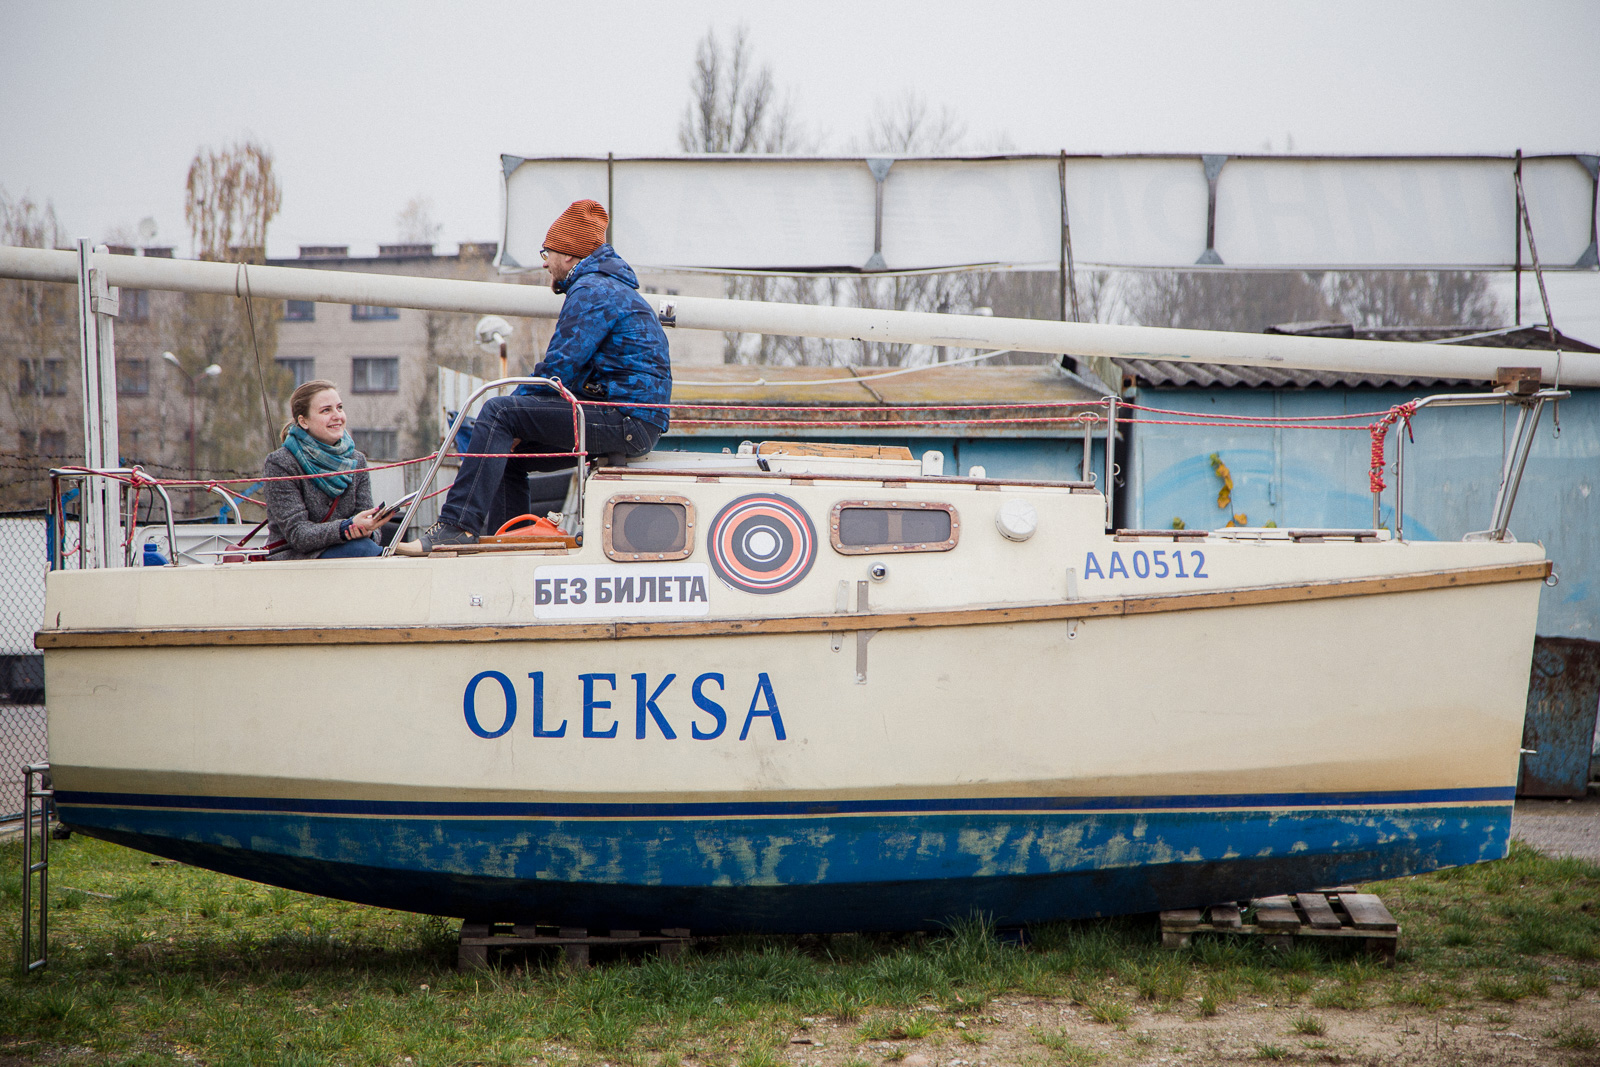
(834, 871)
(756, 782)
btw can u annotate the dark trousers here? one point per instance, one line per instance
(497, 489)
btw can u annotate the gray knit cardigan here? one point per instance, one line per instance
(295, 509)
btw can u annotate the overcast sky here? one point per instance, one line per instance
(366, 105)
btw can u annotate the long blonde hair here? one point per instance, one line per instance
(300, 404)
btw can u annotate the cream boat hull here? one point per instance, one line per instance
(1002, 729)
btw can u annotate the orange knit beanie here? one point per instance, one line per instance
(579, 230)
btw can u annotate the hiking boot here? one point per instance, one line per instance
(439, 535)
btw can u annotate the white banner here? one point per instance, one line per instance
(788, 214)
(620, 590)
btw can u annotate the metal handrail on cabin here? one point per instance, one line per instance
(455, 425)
(1530, 405)
(57, 512)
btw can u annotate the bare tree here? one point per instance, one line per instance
(1250, 301)
(232, 198)
(734, 104)
(449, 342)
(414, 223)
(1246, 301)
(734, 107)
(908, 125)
(38, 345)
(1415, 298)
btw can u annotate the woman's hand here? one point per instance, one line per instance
(362, 524)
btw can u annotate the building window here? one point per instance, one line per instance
(133, 305)
(46, 377)
(371, 312)
(133, 377)
(378, 444)
(303, 369)
(53, 444)
(375, 374)
(299, 311)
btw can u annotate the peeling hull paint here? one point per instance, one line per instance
(820, 874)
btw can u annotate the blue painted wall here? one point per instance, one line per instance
(1298, 477)
(1319, 477)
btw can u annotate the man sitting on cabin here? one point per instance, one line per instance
(608, 346)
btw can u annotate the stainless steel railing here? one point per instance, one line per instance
(455, 425)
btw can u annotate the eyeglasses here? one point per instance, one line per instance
(544, 254)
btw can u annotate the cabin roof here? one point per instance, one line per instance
(820, 391)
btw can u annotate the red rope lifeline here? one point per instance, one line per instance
(1011, 421)
(141, 478)
(1380, 429)
(1224, 419)
(699, 406)
(1259, 418)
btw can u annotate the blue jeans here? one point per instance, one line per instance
(530, 424)
(355, 548)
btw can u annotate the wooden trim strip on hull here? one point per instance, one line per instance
(243, 636)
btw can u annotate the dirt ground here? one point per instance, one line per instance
(1044, 1032)
(1245, 1032)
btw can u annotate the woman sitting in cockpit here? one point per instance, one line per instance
(329, 516)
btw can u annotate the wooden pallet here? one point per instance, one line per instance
(481, 942)
(1341, 912)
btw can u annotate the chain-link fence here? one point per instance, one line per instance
(23, 564)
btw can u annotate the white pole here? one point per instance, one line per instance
(102, 523)
(800, 320)
(106, 304)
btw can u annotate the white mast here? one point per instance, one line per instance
(801, 320)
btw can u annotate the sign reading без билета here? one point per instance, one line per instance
(603, 590)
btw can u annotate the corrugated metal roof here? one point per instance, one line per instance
(1178, 375)
(1211, 375)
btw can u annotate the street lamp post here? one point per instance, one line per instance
(194, 388)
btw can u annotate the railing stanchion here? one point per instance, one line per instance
(30, 794)
(425, 486)
(1111, 460)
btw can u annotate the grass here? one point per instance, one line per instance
(1064, 1049)
(1576, 1036)
(171, 964)
(1110, 1012)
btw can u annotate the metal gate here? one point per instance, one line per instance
(23, 565)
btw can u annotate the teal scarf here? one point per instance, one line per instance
(315, 457)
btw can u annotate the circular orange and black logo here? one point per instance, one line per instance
(762, 543)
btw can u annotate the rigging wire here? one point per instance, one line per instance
(261, 377)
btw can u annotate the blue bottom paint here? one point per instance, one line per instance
(826, 872)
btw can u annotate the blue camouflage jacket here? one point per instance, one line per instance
(608, 344)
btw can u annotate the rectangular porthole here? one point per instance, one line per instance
(647, 526)
(858, 527)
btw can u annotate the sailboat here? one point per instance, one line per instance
(801, 688)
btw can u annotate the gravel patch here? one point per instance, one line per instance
(1560, 827)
